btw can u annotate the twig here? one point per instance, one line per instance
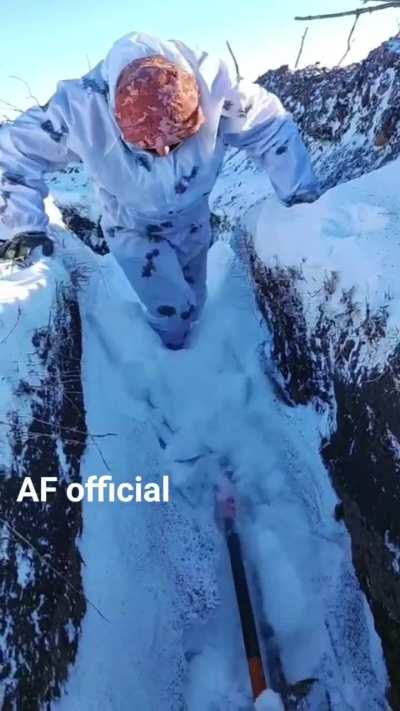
(25, 83)
(72, 429)
(347, 13)
(56, 433)
(5, 339)
(91, 436)
(60, 427)
(40, 435)
(52, 568)
(238, 75)
(301, 47)
(349, 39)
(11, 106)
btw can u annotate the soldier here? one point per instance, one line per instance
(151, 124)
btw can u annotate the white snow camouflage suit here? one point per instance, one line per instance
(155, 213)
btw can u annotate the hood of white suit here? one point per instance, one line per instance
(136, 46)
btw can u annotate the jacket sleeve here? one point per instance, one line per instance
(35, 143)
(255, 120)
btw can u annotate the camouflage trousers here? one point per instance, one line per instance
(168, 272)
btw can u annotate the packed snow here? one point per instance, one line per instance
(269, 701)
(160, 575)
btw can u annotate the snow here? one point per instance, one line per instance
(394, 45)
(352, 234)
(72, 188)
(240, 186)
(395, 551)
(25, 301)
(24, 570)
(193, 414)
(269, 701)
(160, 574)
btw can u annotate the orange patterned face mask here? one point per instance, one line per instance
(157, 104)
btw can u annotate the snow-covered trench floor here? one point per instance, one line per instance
(160, 573)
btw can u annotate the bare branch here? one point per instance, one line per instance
(51, 567)
(11, 106)
(25, 83)
(351, 33)
(238, 75)
(19, 314)
(301, 47)
(55, 433)
(360, 11)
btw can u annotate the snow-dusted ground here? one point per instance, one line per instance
(160, 574)
(347, 242)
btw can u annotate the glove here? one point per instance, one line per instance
(20, 247)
